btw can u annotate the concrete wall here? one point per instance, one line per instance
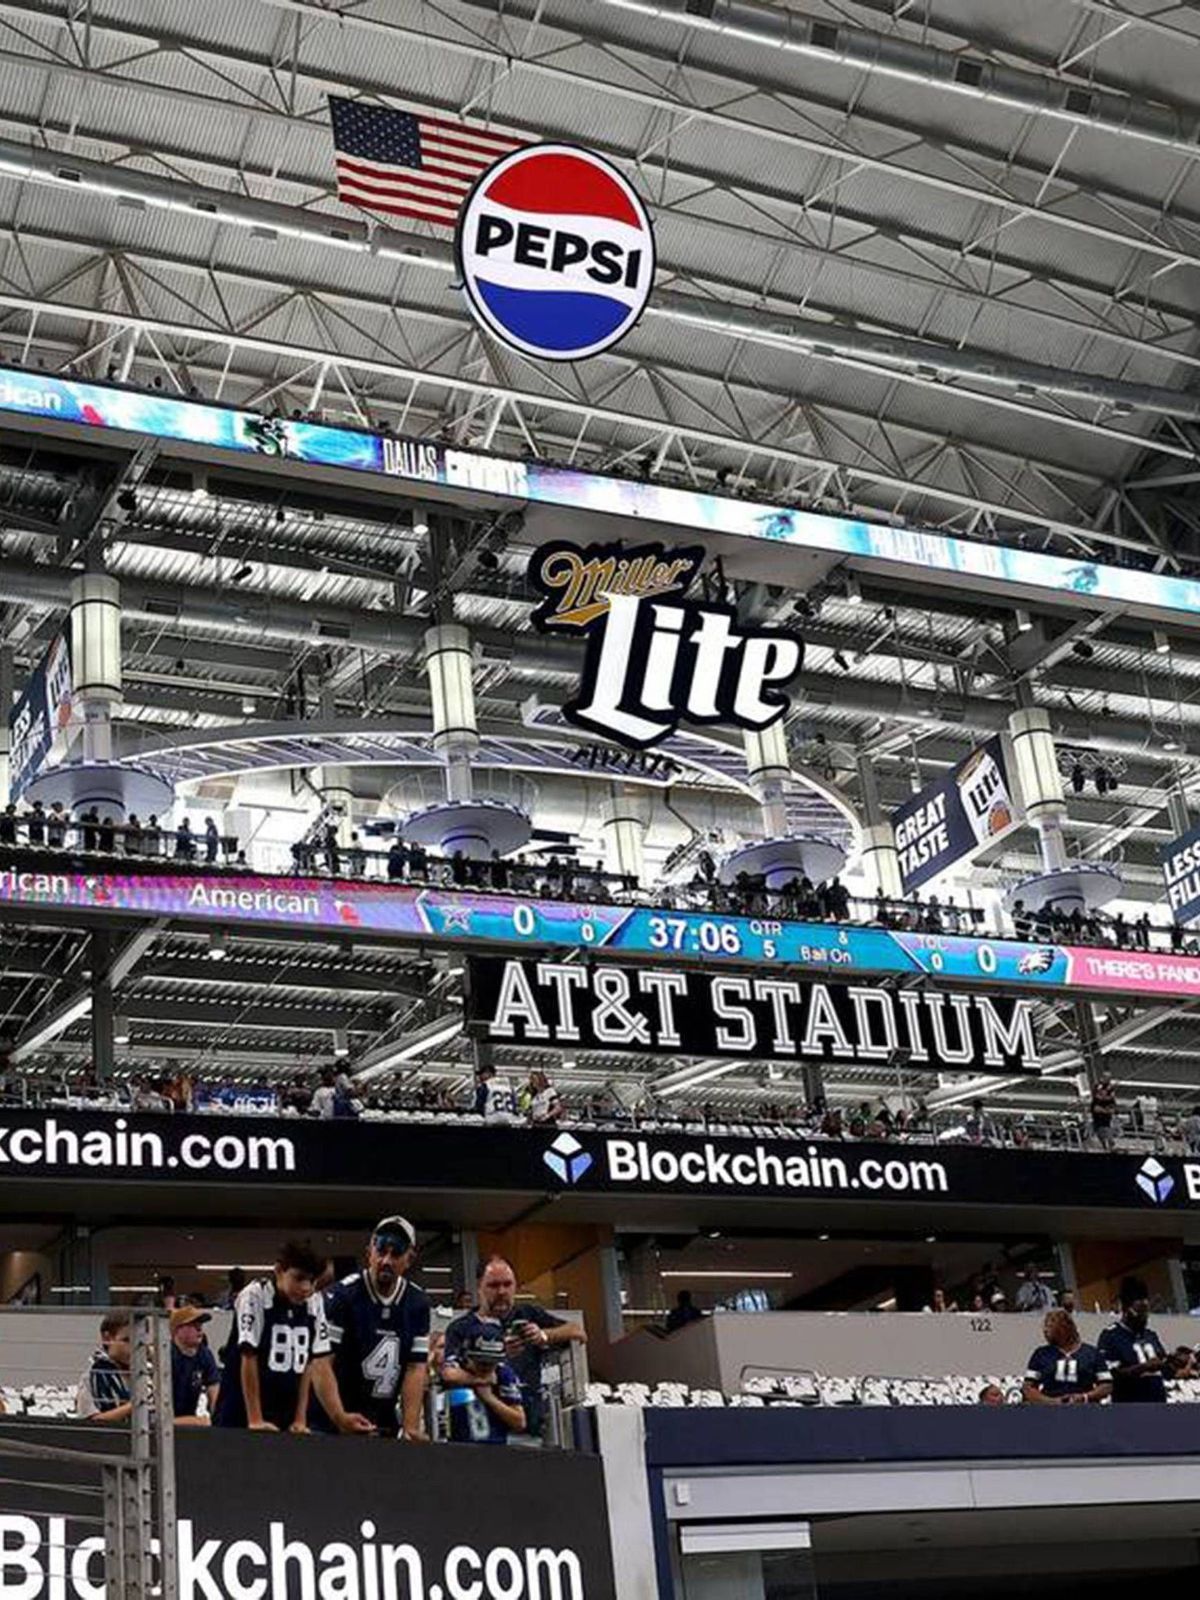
(718, 1352)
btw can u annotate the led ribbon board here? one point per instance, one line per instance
(196, 422)
(403, 911)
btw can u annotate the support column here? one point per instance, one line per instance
(103, 1054)
(880, 858)
(1040, 782)
(814, 1083)
(96, 659)
(6, 704)
(623, 826)
(769, 767)
(1178, 809)
(455, 728)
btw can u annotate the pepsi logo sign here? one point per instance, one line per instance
(555, 252)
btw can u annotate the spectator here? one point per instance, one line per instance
(194, 1370)
(1064, 1370)
(374, 1379)
(234, 1284)
(324, 1100)
(485, 1395)
(1033, 1295)
(1134, 1356)
(683, 1312)
(133, 835)
(106, 836)
(104, 1394)
(545, 1107)
(56, 826)
(280, 1329)
(1191, 1131)
(978, 1128)
(151, 837)
(185, 841)
(528, 1333)
(89, 823)
(212, 840)
(356, 857)
(1104, 1109)
(494, 1099)
(397, 860)
(1066, 1301)
(35, 824)
(992, 1395)
(8, 825)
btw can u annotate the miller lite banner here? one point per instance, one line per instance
(39, 716)
(680, 1011)
(950, 819)
(555, 252)
(653, 659)
(1181, 874)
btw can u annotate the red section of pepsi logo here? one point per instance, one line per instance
(562, 183)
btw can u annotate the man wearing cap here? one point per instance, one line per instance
(194, 1370)
(374, 1377)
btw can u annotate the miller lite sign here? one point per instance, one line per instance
(654, 659)
(555, 252)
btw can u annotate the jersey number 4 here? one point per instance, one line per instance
(381, 1368)
(288, 1350)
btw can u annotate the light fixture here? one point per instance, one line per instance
(1023, 620)
(218, 946)
(200, 489)
(249, 705)
(1078, 778)
(51, 1028)
(839, 660)
(420, 524)
(1172, 743)
(120, 1028)
(853, 591)
(1162, 645)
(243, 572)
(1084, 649)
(127, 501)
(441, 1031)
(341, 1042)
(753, 1276)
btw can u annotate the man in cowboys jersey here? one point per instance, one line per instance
(279, 1330)
(1137, 1359)
(374, 1380)
(1064, 1371)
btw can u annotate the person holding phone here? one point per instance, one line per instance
(529, 1332)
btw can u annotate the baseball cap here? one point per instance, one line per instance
(185, 1315)
(484, 1342)
(396, 1230)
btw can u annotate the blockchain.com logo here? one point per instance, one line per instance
(1154, 1180)
(567, 1159)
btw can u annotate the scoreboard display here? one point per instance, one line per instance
(457, 916)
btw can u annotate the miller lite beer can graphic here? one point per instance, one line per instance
(556, 252)
(984, 795)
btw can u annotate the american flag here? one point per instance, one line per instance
(408, 165)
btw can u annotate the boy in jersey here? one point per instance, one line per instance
(279, 1330)
(379, 1333)
(1136, 1357)
(1064, 1371)
(486, 1406)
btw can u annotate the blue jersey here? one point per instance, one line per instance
(373, 1342)
(284, 1338)
(471, 1422)
(1120, 1346)
(191, 1376)
(1057, 1374)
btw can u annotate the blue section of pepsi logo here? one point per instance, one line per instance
(553, 319)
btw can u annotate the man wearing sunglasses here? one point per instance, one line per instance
(373, 1381)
